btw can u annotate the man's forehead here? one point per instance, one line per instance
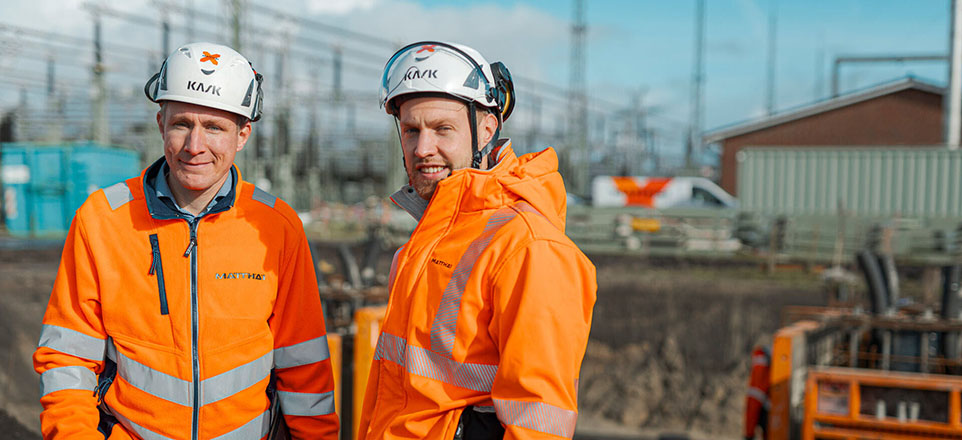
(434, 104)
(182, 109)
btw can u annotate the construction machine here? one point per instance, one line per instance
(892, 370)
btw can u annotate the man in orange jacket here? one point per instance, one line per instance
(490, 302)
(186, 300)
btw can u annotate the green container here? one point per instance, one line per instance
(44, 185)
(869, 181)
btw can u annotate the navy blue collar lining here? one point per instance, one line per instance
(160, 211)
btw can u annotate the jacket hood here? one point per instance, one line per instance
(532, 178)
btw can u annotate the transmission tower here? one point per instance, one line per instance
(100, 132)
(235, 11)
(697, 82)
(579, 99)
(770, 70)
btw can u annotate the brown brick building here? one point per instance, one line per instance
(903, 112)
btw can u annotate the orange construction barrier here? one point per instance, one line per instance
(368, 320)
(858, 403)
(334, 343)
(788, 356)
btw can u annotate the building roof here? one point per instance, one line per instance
(822, 106)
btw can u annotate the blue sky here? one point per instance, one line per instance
(649, 44)
(634, 47)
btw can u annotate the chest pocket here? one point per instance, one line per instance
(135, 293)
(239, 295)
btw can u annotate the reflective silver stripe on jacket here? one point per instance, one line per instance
(118, 195)
(72, 342)
(303, 353)
(760, 359)
(422, 362)
(446, 318)
(760, 396)
(537, 416)
(179, 391)
(235, 380)
(67, 378)
(153, 382)
(264, 197)
(141, 432)
(306, 404)
(256, 428)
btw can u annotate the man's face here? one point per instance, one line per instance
(199, 143)
(436, 140)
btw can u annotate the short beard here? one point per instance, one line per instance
(424, 189)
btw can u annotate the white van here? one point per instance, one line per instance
(659, 192)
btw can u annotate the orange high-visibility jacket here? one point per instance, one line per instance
(194, 314)
(490, 306)
(757, 402)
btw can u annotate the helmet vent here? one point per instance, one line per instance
(247, 97)
(473, 81)
(163, 78)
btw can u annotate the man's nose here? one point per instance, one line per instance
(426, 144)
(195, 140)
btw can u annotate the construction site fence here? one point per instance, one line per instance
(749, 236)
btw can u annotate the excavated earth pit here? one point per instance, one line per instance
(669, 345)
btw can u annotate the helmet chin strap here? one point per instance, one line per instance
(477, 155)
(397, 126)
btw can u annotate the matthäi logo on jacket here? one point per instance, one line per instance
(240, 276)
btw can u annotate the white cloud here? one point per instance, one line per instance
(528, 40)
(339, 7)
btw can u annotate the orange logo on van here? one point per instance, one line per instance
(640, 195)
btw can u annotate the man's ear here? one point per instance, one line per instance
(486, 129)
(244, 134)
(160, 122)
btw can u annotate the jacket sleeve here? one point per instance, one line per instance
(72, 343)
(305, 381)
(543, 298)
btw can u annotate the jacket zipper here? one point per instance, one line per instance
(157, 269)
(195, 359)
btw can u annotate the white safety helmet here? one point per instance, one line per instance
(211, 75)
(452, 70)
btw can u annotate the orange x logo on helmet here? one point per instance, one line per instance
(210, 57)
(427, 47)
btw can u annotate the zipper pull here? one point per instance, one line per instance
(193, 238)
(153, 263)
(190, 247)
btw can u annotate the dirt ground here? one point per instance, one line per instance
(26, 277)
(668, 352)
(670, 343)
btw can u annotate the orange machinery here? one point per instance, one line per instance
(840, 374)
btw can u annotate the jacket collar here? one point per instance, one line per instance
(160, 211)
